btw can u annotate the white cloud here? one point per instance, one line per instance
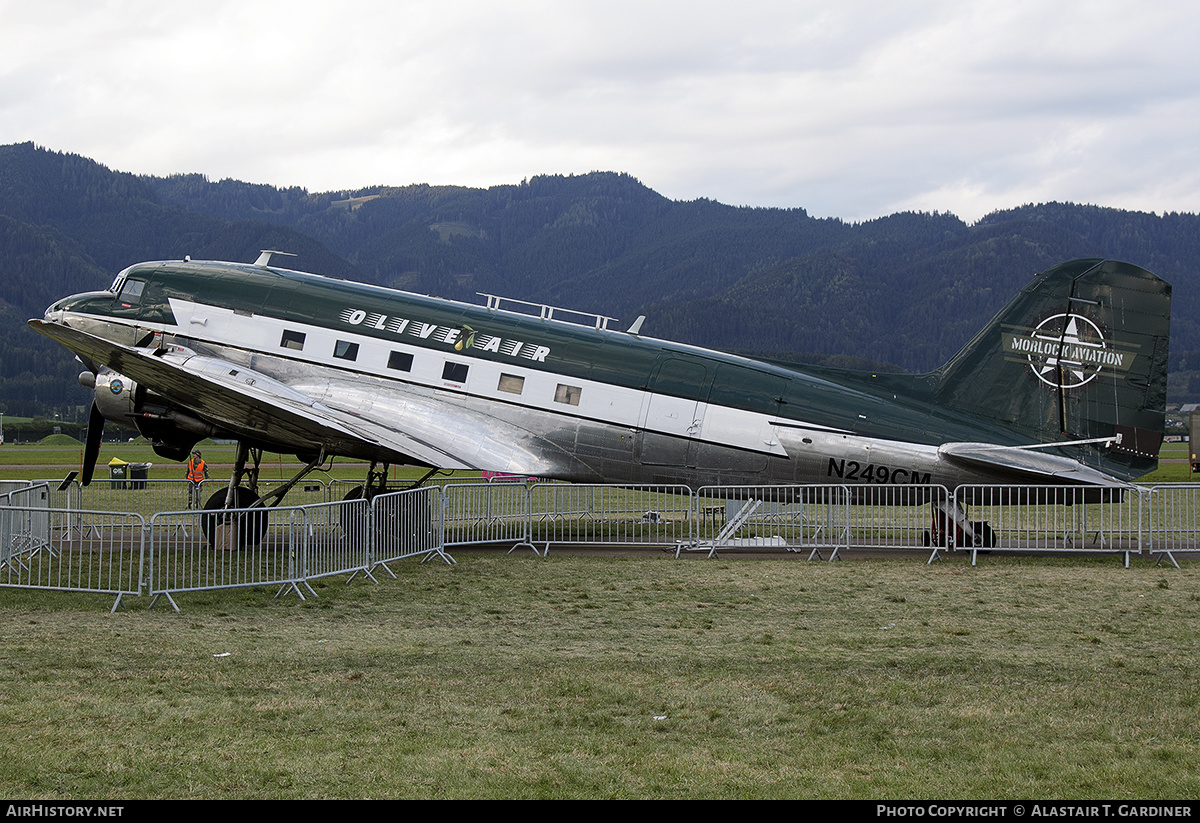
(853, 109)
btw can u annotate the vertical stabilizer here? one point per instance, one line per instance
(1080, 353)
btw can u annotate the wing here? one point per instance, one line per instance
(344, 418)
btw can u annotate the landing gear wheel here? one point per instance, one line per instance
(233, 530)
(353, 520)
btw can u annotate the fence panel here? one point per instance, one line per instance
(144, 497)
(485, 513)
(1172, 520)
(334, 538)
(195, 551)
(605, 515)
(83, 551)
(1044, 519)
(760, 518)
(7, 487)
(407, 524)
(900, 516)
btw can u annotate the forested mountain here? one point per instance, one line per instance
(907, 289)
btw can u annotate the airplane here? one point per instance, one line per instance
(1065, 386)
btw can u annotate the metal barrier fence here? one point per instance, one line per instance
(7, 487)
(1046, 518)
(407, 524)
(285, 546)
(789, 518)
(899, 516)
(1173, 520)
(486, 513)
(334, 539)
(31, 494)
(69, 547)
(60, 550)
(149, 497)
(197, 551)
(609, 515)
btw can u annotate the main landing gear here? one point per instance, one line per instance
(226, 523)
(354, 520)
(232, 518)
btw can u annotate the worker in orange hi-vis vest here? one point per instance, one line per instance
(197, 473)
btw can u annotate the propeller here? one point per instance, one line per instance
(91, 448)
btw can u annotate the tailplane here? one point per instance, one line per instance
(1079, 354)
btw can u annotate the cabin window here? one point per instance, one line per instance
(292, 340)
(400, 361)
(567, 394)
(511, 383)
(455, 372)
(345, 350)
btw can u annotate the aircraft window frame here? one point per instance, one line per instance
(119, 281)
(345, 350)
(400, 361)
(291, 339)
(568, 395)
(131, 292)
(455, 372)
(511, 383)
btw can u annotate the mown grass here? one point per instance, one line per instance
(514, 676)
(53, 460)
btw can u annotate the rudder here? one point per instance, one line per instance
(1080, 353)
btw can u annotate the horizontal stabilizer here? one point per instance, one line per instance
(1027, 466)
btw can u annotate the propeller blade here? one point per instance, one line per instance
(91, 449)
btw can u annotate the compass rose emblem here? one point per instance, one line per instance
(1079, 357)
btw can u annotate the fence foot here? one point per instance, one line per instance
(385, 567)
(366, 573)
(1167, 555)
(291, 586)
(445, 557)
(170, 600)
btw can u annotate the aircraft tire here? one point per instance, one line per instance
(354, 527)
(233, 529)
(984, 536)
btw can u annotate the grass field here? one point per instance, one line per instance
(511, 676)
(60, 455)
(620, 676)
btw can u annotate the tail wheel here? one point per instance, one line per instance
(231, 529)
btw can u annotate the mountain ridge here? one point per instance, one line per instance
(907, 289)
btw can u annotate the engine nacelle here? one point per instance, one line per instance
(115, 395)
(171, 431)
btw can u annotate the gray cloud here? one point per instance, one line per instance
(853, 109)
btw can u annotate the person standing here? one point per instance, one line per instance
(197, 473)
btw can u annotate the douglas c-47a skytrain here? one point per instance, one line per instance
(1065, 386)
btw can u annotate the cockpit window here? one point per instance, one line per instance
(117, 283)
(131, 292)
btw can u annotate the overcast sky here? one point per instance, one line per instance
(847, 108)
